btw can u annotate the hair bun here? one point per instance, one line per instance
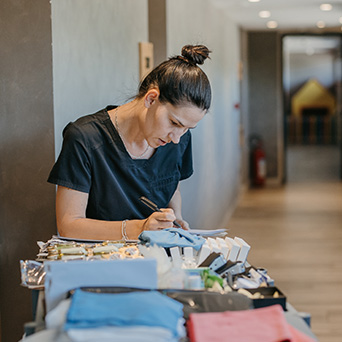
(195, 54)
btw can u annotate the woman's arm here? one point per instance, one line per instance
(176, 205)
(72, 222)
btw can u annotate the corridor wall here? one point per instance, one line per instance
(95, 55)
(265, 98)
(210, 195)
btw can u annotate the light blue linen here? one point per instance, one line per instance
(151, 308)
(171, 237)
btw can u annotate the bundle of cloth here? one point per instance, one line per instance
(114, 317)
(135, 316)
(266, 324)
(171, 237)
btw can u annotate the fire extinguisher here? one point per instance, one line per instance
(258, 162)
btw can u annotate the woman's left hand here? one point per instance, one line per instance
(184, 224)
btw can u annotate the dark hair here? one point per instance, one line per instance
(180, 80)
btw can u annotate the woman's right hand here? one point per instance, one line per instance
(160, 220)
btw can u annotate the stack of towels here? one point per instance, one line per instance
(266, 324)
(135, 316)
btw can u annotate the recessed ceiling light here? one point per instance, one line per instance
(264, 14)
(325, 7)
(310, 51)
(253, 0)
(272, 24)
(320, 24)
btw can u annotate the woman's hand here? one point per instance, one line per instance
(160, 220)
(176, 205)
(184, 224)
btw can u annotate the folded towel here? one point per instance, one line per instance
(90, 310)
(265, 324)
(171, 237)
(122, 334)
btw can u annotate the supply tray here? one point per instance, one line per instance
(268, 299)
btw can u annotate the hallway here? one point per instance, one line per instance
(296, 233)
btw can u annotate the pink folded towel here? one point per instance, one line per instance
(259, 325)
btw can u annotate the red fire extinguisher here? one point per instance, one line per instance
(258, 163)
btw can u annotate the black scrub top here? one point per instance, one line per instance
(94, 160)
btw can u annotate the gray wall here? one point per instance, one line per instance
(265, 108)
(244, 107)
(95, 55)
(210, 195)
(26, 151)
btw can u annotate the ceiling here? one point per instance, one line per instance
(288, 14)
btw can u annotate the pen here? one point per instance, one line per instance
(154, 207)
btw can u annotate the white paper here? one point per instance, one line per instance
(234, 248)
(204, 252)
(223, 246)
(209, 232)
(244, 249)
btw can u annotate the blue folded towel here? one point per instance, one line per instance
(90, 310)
(171, 237)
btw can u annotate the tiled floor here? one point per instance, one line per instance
(296, 233)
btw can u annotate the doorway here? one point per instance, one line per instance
(312, 107)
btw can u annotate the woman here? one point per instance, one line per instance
(143, 148)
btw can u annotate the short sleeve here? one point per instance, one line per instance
(73, 166)
(186, 166)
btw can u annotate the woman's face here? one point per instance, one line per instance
(166, 123)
